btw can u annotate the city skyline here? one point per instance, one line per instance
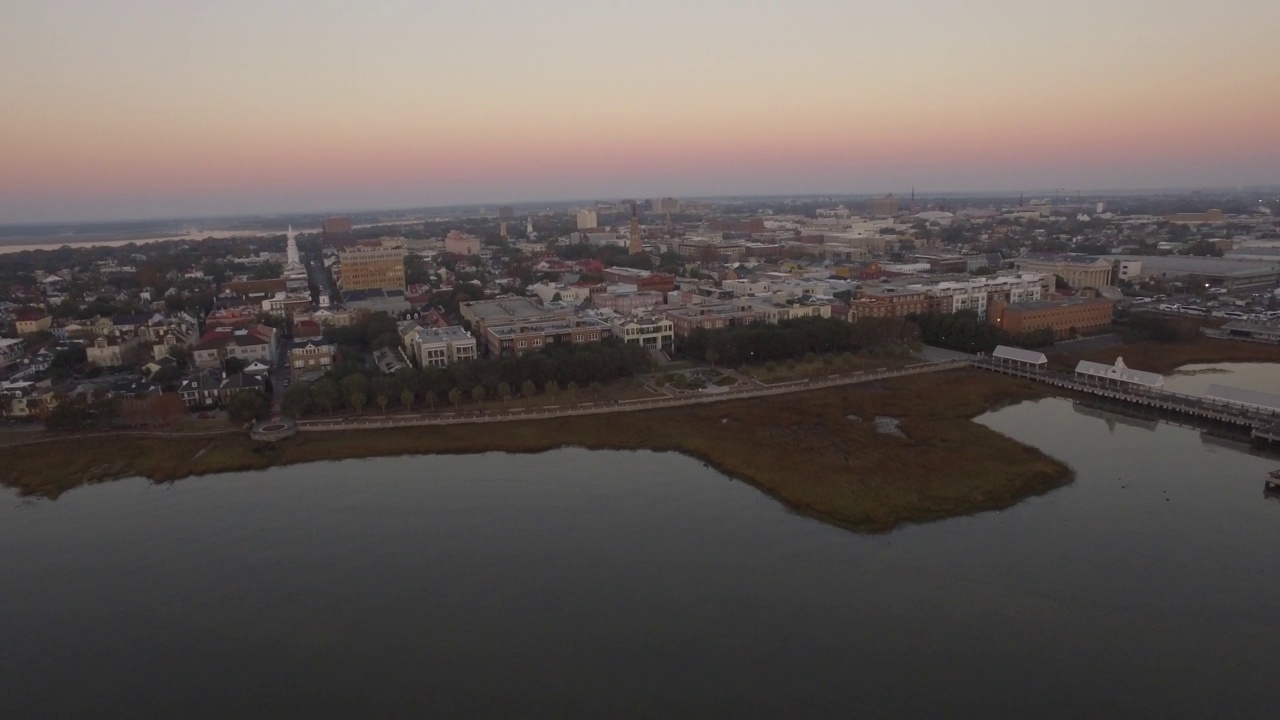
(146, 109)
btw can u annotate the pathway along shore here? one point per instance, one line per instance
(616, 406)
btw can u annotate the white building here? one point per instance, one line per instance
(975, 294)
(438, 347)
(646, 330)
(547, 292)
(588, 219)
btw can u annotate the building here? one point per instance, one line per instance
(460, 243)
(882, 301)
(372, 267)
(1250, 399)
(113, 350)
(255, 342)
(438, 346)
(648, 330)
(310, 356)
(1078, 271)
(750, 226)
(1067, 318)
(337, 231)
(642, 279)
(626, 303)
(1118, 374)
(29, 321)
(506, 311)
(588, 219)
(1018, 358)
(1209, 216)
(886, 206)
(662, 206)
(708, 316)
(520, 338)
(1211, 271)
(10, 350)
(548, 292)
(975, 294)
(775, 309)
(634, 241)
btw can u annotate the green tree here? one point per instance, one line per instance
(527, 390)
(353, 386)
(572, 387)
(551, 388)
(712, 355)
(429, 397)
(406, 399)
(297, 401)
(477, 394)
(382, 401)
(233, 365)
(358, 400)
(247, 406)
(504, 391)
(325, 395)
(455, 397)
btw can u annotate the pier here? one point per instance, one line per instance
(1263, 425)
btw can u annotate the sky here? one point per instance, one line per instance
(169, 108)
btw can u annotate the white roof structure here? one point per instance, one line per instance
(1240, 396)
(1121, 373)
(1003, 352)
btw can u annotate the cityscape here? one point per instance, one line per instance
(639, 359)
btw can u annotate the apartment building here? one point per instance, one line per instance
(648, 330)
(522, 337)
(311, 356)
(880, 301)
(975, 294)
(438, 346)
(372, 267)
(776, 308)
(708, 316)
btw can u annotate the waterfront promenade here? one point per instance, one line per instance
(602, 407)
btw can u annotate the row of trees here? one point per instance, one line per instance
(760, 342)
(964, 331)
(84, 412)
(560, 368)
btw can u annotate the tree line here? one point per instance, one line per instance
(966, 332)
(567, 369)
(760, 342)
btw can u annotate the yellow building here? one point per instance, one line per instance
(377, 267)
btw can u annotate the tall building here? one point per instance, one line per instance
(665, 205)
(337, 231)
(635, 245)
(372, 267)
(295, 273)
(886, 206)
(460, 243)
(587, 220)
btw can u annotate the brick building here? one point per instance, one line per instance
(875, 301)
(1081, 315)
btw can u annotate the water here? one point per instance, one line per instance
(637, 584)
(1196, 379)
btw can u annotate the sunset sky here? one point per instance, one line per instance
(161, 108)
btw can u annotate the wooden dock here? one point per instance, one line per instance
(1262, 425)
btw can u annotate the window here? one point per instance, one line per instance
(522, 343)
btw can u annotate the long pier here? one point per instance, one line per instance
(1261, 424)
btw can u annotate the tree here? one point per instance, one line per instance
(247, 406)
(429, 397)
(325, 395)
(234, 365)
(382, 403)
(297, 401)
(358, 401)
(455, 397)
(572, 387)
(596, 388)
(406, 399)
(504, 391)
(477, 394)
(353, 386)
(551, 388)
(527, 390)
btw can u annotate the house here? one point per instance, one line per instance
(202, 390)
(311, 355)
(113, 350)
(238, 383)
(255, 342)
(437, 346)
(31, 320)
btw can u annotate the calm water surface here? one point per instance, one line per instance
(638, 584)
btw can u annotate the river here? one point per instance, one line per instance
(597, 584)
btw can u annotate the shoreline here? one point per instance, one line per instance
(852, 475)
